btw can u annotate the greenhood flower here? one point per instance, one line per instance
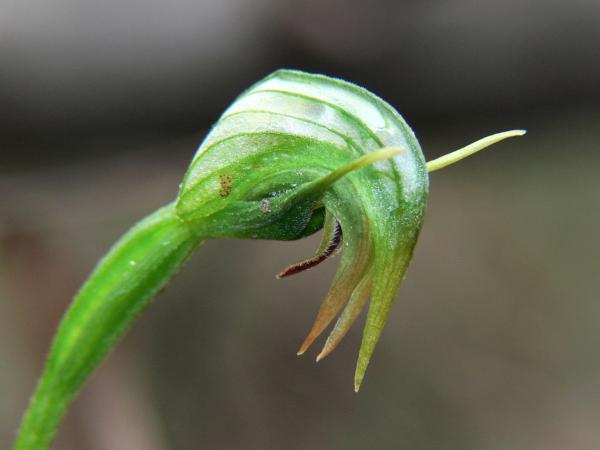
(265, 172)
(293, 154)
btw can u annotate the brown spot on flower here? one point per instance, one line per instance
(225, 182)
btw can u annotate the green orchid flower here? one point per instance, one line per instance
(293, 154)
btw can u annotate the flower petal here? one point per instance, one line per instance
(353, 308)
(354, 263)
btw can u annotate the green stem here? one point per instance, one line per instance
(123, 283)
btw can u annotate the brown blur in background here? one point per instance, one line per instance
(493, 341)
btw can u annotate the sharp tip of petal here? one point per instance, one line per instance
(308, 342)
(361, 368)
(327, 349)
(358, 379)
(303, 347)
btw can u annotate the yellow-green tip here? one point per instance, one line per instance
(357, 384)
(462, 153)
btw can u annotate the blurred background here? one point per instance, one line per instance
(493, 341)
